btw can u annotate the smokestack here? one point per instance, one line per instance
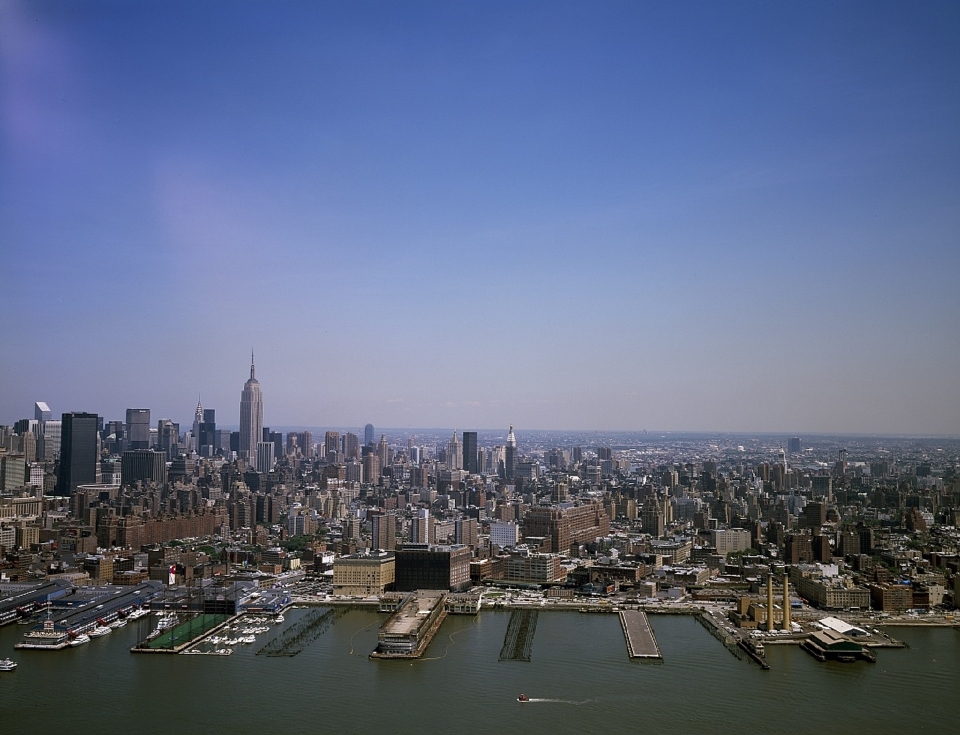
(770, 625)
(786, 602)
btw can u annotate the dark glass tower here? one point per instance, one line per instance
(470, 463)
(78, 452)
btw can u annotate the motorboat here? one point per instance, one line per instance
(7, 665)
(79, 640)
(523, 698)
(100, 630)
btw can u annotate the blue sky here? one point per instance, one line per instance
(701, 216)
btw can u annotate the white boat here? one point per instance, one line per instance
(137, 613)
(278, 619)
(79, 640)
(100, 630)
(7, 665)
(118, 623)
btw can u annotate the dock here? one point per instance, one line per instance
(409, 630)
(641, 642)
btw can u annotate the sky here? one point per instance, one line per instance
(664, 216)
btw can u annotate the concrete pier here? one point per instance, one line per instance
(639, 635)
(408, 632)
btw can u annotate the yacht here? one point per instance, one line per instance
(7, 665)
(79, 640)
(100, 630)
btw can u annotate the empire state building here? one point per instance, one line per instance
(251, 416)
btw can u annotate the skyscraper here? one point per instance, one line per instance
(454, 453)
(470, 463)
(510, 463)
(368, 434)
(78, 452)
(138, 428)
(251, 416)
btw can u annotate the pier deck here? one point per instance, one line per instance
(641, 642)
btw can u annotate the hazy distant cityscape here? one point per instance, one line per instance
(763, 538)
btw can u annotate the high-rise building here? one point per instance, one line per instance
(168, 437)
(383, 530)
(41, 412)
(470, 461)
(143, 465)
(454, 454)
(793, 445)
(368, 434)
(264, 458)
(420, 527)
(251, 416)
(331, 445)
(78, 452)
(510, 463)
(52, 429)
(206, 434)
(351, 446)
(138, 428)
(383, 451)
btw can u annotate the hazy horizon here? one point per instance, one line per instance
(615, 215)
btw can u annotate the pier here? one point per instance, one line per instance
(641, 642)
(408, 631)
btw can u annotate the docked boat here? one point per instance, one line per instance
(79, 640)
(137, 613)
(118, 623)
(278, 619)
(100, 630)
(47, 637)
(7, 665)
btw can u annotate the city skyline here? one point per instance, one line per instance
(609, 217)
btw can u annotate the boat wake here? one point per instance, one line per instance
(531, 700)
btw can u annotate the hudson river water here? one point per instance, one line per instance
(579, 678)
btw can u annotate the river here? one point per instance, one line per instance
(579, 678)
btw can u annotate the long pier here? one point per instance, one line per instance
(409, 630)
(641, 642)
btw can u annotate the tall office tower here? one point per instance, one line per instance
(251, 417)
(368, 434)
(470, 461)
(383, 534)
(138, 428)
(793, 445)
(383, 451)
(306, 444)
(604, 453)
(206, 434)
(454, 454)
(51, 439)
(197, 420)
(264, 458)
(510, 461)
(331, 445)
(351, 446)
(78, 452)
(143, 465)
(414, 455)
(41, 412)
(168, 437)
